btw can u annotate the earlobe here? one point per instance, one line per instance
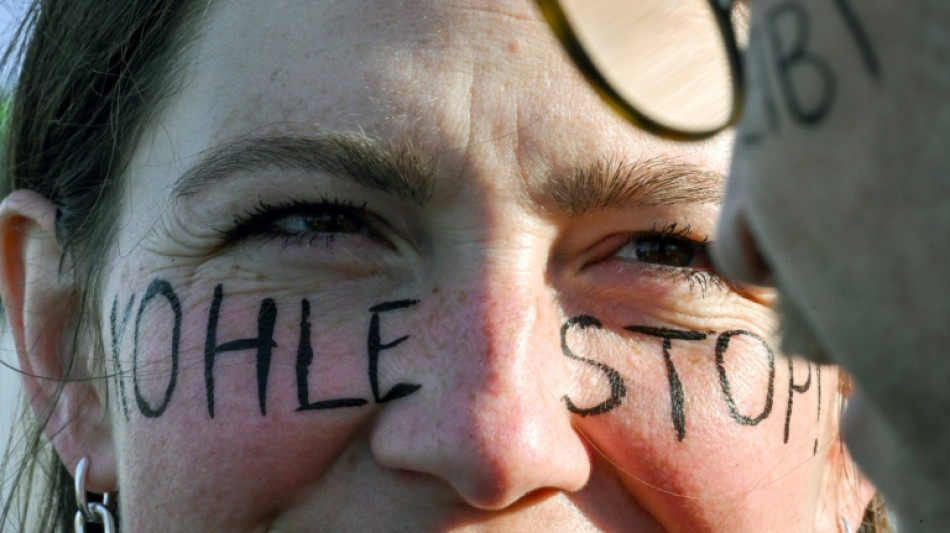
(42, 308)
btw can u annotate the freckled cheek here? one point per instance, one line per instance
(262, 379)
(703, 414)
(259, 358)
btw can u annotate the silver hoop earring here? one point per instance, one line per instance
(91, 512)
(844, 522)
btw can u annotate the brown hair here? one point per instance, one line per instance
(92, 72)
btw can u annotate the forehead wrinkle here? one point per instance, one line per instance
(614, 183)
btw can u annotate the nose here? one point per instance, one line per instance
(736, 253)
(489, 420)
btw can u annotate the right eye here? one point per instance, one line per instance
(329, 221)
(300, 223)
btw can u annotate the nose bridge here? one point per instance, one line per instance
(514, 302)
(492, 426)
(503, 319)
(516, 373)
(513, 329)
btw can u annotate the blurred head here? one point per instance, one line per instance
(838, 197)
(392, 265)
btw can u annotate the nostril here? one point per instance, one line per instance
(494, 455)
(736, 253)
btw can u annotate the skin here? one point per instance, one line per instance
(847, 234)
(497, 266)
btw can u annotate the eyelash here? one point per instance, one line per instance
(694, 277)
(260, 222)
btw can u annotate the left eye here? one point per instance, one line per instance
(667, 251)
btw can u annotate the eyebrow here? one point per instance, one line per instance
(617, 184)
(399, 170)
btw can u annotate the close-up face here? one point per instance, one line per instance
(838, 197)
(389, 266)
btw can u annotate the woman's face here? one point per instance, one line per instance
(392, 266)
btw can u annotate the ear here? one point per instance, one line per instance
(848, 492)
(42, 308)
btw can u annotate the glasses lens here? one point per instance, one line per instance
(666, 58)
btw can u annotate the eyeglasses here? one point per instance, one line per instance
(671, 67)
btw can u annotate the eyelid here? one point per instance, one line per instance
(704, 278)
(672, 231)
(259, 221)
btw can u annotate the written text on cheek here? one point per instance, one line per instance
(262, 346)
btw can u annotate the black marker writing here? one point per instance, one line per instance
(375, 346)
(117, 334)
(263, 344)
(617, 387)
(304, 359)
(792, 389)
(677, 398)
(806, 79)
(818, 418)
(722, 346)
(860, 37)
(162, 288)
(800, 71)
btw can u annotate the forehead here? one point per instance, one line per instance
(380, 64)
(457, 79)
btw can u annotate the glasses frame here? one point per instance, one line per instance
(722, 11)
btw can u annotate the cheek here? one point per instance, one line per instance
(713, 424)
(242, 397)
